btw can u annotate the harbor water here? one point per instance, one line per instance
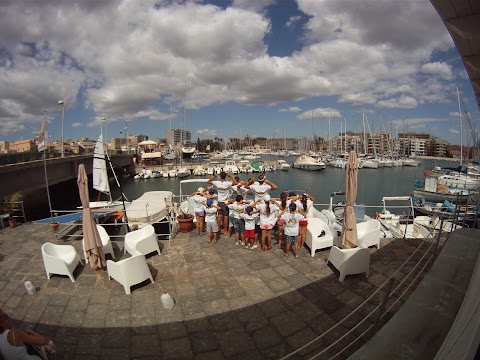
(373, 184)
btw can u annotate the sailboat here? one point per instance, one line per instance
(182, 171)
(170, 153)
(100, 178)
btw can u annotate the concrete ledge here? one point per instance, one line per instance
(419, 328)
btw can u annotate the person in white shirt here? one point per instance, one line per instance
(304, 202)
(291, 227)
(262, 187)
(199, 200)
(249, 216)
(236, 208)
(268, 217)
(22, 344)
(211, 210)
(224, 189)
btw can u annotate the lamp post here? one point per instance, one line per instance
(62, 103)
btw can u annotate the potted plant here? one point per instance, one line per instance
(54, 225)
(9, 205)
(185, 221)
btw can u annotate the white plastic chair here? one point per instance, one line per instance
(368, 233)
(60, 259)
(129, 272)
(106, 243)
(315, 240)
(350, 261)
(142, 241)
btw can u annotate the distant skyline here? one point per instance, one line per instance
(256, 67)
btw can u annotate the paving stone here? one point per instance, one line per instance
(191, 305)
(52, 315)
(287, 323)
(209, 293)
(171, 330)
(88, 344)
(307, 310)
(203, 341)
(234, 291)
(116, 338)
(234, 342)
(211, 355)
(59, 300)
(178, 348)
(117, 319)
(145, 345)
(267, 336)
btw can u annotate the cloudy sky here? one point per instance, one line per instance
(231, 68)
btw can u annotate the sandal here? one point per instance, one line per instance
(269, 248)
(279, 246)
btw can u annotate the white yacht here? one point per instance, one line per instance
(282, 165)
(459, 181)
(309, 163)
(230, 167)
(410, 162)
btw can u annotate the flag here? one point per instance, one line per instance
(42, 137)
(208, 147)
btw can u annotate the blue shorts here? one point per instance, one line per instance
(291, 239)
(224, 210)
(239, 225)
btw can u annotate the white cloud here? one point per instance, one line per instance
(403, 102)
(206, 132)
(290, 109)
(145, 57)
(319, 113)
(412, 123)
(77, 125)
(441, 69)
(292, 21)
(454, 131)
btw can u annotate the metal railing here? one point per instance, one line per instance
(392, 294)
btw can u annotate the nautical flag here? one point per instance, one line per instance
(42, 137)
(208, 147)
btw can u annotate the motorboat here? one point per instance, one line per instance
(306, 162)
(432, 191)
(172, 173)
(283, 165)
(459, 181)
(410, 162)
(199, 171)
(152, 207)
(369, 164)
(230, 167)
(403, 226)
(188, 150)
(183, 172)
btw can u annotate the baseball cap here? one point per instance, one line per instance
(200, 189)
(209, 202)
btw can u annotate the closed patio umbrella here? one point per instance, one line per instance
(349, 233)
(92, 241)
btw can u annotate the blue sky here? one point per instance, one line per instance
(256, 67)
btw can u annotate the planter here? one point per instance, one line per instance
(12, 222)
(185, 223)
(54, 226)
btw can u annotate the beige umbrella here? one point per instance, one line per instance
(349, 233)
(92, 241)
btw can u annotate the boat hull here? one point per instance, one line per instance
(439, 197)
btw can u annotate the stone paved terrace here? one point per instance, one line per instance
(231, 303)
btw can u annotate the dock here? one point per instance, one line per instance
(231, 302)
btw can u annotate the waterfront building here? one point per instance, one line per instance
(178, 136)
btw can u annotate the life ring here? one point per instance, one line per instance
(376, 216)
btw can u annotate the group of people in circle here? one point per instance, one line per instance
(246, 209)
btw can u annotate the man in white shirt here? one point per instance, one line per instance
(224, 189)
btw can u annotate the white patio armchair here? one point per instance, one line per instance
(142, 241)
(60, 259)
(106, 243)
(368, 233)
(350, 261)
(130, 271)
(319, 235)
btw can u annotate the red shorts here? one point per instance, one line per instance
(249, 234)
(281, 222)
(303, 223)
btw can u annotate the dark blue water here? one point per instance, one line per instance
(373, 184)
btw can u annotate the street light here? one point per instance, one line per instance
(62, 103)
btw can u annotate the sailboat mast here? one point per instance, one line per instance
(461, 129)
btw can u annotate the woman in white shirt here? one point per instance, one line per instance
(268, 217)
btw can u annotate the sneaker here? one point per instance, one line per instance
(255, 246)
(243, 243)
(237, 242)
(203, 233)
(248, 246)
